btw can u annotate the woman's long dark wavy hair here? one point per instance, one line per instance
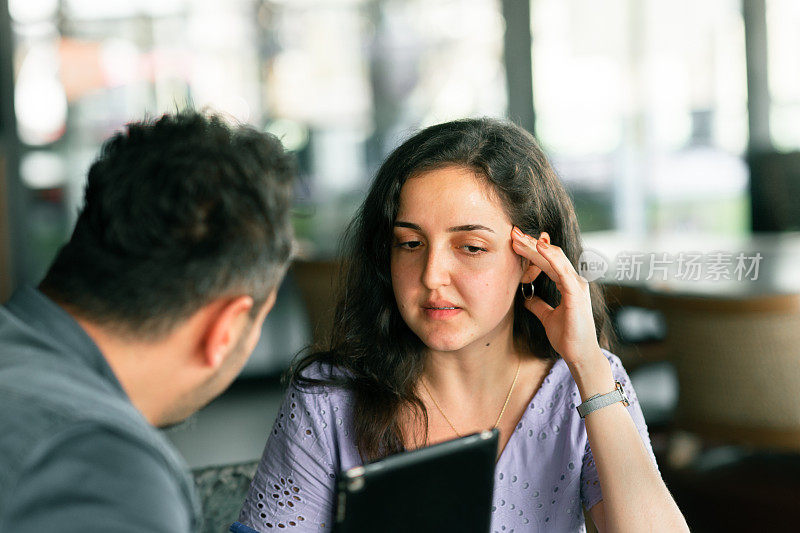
(380, 359)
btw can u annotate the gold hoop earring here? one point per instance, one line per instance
(522, 289)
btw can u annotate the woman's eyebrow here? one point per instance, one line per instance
(470, 227)
(410, 225)
(454, 229)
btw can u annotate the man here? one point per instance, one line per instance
(147, 313)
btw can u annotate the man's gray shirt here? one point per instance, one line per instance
(75, 454)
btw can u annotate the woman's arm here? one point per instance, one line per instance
(634, 495)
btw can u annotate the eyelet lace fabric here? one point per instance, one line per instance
(543, 479)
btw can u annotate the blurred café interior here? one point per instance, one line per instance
(675, 126)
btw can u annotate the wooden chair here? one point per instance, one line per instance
(317, 281)
(738, 365)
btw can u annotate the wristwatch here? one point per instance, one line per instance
(598, 401)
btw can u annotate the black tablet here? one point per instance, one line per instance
(444, 487)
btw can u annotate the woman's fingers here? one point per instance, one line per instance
(570, 281)
(526, 246)
(551, 259)
(539, 308)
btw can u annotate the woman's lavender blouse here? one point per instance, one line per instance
(544, 475)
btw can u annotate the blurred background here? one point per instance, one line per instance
(675, 126)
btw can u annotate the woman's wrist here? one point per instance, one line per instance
(592, 374)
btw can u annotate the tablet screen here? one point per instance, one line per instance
(444, 487)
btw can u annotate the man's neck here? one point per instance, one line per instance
(133, 366)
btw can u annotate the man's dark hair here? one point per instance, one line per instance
(177, 212)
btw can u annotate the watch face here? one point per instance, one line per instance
(625, 401)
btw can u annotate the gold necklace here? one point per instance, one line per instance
(500, 416)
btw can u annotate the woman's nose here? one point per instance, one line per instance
(437, 269)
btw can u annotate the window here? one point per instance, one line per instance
(783, 43)
(342, 82)
(643, 110)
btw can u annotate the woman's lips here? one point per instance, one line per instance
(441, 313)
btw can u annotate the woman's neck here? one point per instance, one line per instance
(475, 371)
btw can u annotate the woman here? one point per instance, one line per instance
(453, 318)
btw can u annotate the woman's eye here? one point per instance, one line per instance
(409, 245)
(474, 250)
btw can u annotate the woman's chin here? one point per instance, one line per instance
(444, 343)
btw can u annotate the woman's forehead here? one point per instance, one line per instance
(449, 193)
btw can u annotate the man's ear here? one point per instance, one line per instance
(225, 327)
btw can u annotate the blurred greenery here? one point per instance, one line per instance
(594, 209)
(725, 216)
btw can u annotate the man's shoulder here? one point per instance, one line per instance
(55, 421)
(43, 400)
(89, 473)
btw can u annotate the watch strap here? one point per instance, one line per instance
(598, 401)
